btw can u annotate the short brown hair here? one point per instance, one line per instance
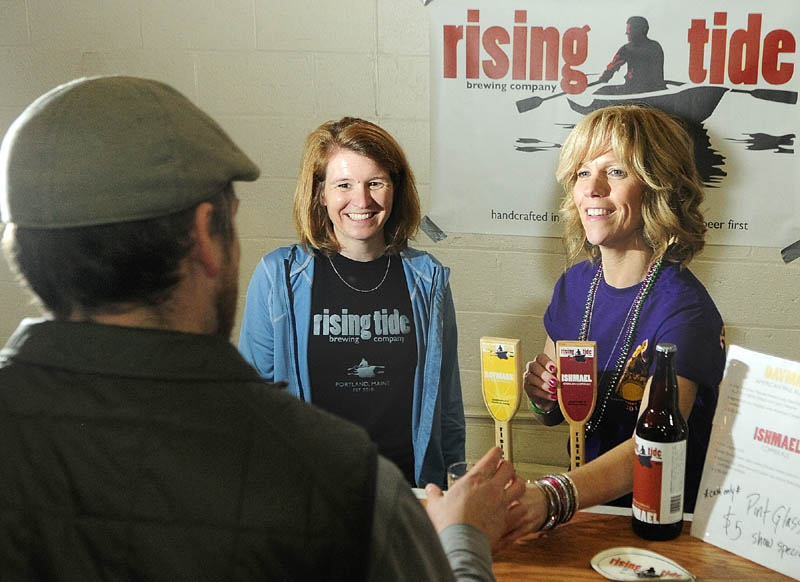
(363, 137)
(657, 149)
(109, 268)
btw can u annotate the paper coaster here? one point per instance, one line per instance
(637, 564)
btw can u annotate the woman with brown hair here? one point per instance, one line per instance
(355, 320)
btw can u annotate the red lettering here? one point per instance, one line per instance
(497, 66)
(520, 45)
(719, 41)
(624, 564)
(775, 43)
(535, 53)
(450, 37)
(741, 54)
(539, 38)
(698, 39)
(473, 44)
(776, 439)
(574, 51)
(743, 59)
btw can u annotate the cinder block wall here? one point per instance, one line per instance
(272, 70)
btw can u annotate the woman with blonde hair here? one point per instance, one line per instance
(355, 320)
(631, 206)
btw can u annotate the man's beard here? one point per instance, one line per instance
(225, 304)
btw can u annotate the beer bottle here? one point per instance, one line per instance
(660, 462)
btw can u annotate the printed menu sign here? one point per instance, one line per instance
(749, 497)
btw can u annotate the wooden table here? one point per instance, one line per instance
(565, 553)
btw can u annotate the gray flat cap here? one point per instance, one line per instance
(113, 149)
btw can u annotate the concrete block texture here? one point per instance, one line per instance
(198, 24)
(256, 83)
(84, 24)
(14, 29)
(403, 86)
(345, 85)
(310, 25)
(28, 71)
(402, 28)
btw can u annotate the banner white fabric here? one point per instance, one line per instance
(509, 79)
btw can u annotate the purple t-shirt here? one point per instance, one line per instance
(677, 310)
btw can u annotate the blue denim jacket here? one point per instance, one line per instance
(274, 339)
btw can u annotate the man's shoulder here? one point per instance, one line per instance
(313, 458)
(304, 428)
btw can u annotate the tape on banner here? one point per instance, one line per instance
(435, 233)
(791, 252)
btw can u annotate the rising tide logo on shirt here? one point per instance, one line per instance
(365, 370)
(378, 326)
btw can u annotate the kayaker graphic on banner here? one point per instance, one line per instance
(509, 80)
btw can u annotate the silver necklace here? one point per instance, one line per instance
(619, 336)
(630, 323)
(375, 288)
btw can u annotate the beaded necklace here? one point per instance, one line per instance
(629, 326)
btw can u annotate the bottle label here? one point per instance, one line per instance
(658, 473)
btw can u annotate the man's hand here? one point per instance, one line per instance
(526, 516)
(487, 497)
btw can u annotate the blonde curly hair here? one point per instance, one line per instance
(657, 149)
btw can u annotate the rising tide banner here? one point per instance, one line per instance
(510, 78)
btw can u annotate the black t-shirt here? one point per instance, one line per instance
(362, 349)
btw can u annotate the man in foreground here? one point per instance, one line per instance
(135, 442)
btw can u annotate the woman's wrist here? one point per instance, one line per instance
(561, 498)
(547, 416)
(541, 408)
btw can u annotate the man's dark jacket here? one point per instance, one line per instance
(131, 454)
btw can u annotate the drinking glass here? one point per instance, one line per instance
(456, 471)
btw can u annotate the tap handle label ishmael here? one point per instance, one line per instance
(577, 392)
(501, 383)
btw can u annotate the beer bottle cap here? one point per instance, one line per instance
(667, 348)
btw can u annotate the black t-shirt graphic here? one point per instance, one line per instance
(362, 349)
